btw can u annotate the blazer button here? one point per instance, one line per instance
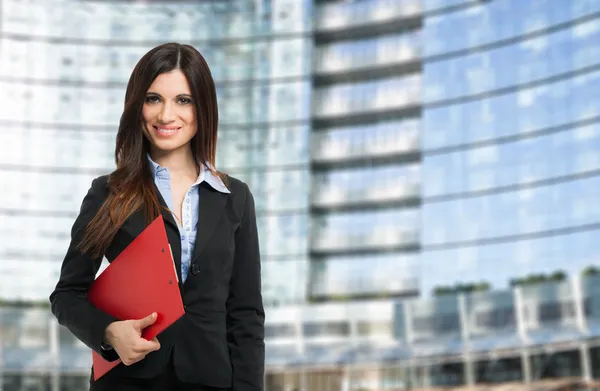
(195, 269)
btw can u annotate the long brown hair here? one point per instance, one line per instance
(130, 186)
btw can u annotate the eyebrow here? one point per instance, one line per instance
(178, 96)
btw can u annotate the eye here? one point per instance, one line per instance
(185, 101)
(152, 99)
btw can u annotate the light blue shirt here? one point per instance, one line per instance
(188, 227)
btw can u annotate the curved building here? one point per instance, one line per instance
(511, 130)
(510, 174)
(365, 160)
(425, 175)
(64, 65)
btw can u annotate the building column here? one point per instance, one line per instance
(410, 337)
(521, 326)
(54, 353)
(408, 329)
(578, 299)
(426, 376)
(299, 331)
(469, 371)
(526, 366)
(1, 352)
(463, 315)
(413, 380)
(586, 367)
(346, 381)
(520, 322)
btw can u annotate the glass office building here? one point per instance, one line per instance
(511, 138)
(64, 66)
(365, 156)
(396, 149)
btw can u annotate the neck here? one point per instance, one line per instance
(180, 162)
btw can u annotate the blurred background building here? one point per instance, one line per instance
(426, 176)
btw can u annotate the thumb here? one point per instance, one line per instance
(147, 321)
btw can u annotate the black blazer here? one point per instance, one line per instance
(219, 342)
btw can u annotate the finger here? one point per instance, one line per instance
(156, 344)
(145, 346)
(134, 359)
(147, 321)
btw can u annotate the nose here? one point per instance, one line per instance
(166, 114)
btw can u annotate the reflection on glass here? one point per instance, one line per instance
(539, 57)
(283, 234)
(496, 21)
(343, 99)
(373, 274)
(378, 139)
(356, 230)
(366, 184)
(528, 110)
(284, 281)
(383, 50)
(519, 162)
(137, 22)
(340, 15)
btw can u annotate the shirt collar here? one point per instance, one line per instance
(205, 176)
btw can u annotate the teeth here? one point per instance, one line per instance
(170, 131)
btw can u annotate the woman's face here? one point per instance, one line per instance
(169, 113)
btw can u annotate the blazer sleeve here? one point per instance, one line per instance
(245, 312)
(69, 301)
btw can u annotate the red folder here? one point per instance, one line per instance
(140, 281)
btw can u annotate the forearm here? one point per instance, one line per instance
(84, 320)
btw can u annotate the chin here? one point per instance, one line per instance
(168, 146)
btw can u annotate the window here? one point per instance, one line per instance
(496, 318)
(279, 330)
(341, 329)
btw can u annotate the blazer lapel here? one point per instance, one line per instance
(173, 234)
(212, 204)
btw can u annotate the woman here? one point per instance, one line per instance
(165, 156)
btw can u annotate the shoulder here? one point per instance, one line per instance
(100, 182)
(237, 187)
(93, 200)
(241, 194)
(99, 186)
(98, 191)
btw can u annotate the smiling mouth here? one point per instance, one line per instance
(166, 131)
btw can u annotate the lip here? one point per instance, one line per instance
(168, 130)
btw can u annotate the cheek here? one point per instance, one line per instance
(147, 114)
(189, 116)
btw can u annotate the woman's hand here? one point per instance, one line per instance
(126, 338)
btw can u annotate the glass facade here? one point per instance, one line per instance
(365, 169)
(526, 334)
(510, 138)
(64, 66)
(394, 149)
